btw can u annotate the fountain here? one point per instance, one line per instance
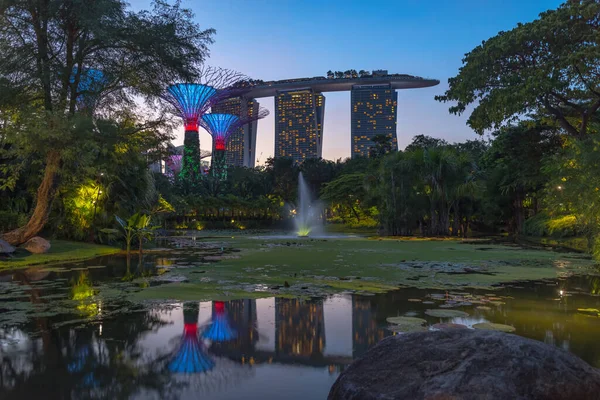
(307, 212)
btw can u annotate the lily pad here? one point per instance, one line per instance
(407, 324)
(489, 326)
(589, 311)
(484, 308)
(414, 300)
(449, 326)
(406, 320)
(440, 313)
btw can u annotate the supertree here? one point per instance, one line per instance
(90, 84)
(191, 101)
(220, 127)
(191, 356)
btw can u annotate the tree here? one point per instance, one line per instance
(545, 67)
(513, 164)
(347, 190)
(425, 142)
(383, 145)
(330, 74)
(49, 49)
(339, 74)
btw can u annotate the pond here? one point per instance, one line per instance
(72, 332)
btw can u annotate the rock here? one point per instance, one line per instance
(36, 245)
(441, 326)
(6, 248)
(461, 364)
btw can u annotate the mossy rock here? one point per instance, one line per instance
(440, 313)
(406, 324)
(489, 326)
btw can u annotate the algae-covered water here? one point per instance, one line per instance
(91, 330)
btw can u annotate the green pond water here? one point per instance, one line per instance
(73, 332)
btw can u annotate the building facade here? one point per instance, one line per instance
(299, 124)
(241, 146)
(374, 110)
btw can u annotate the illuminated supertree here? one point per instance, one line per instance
(220, 329)
(91, 82)
(220, 127)
(191, 101)
(191, 356)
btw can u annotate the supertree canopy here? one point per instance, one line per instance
(220, 127)
(91, 82)
(191, 101)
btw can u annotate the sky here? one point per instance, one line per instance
(283, 39)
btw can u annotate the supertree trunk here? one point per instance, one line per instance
(190, 165)
(219, 164)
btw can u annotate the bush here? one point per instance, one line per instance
(544, 225)
(9, 220)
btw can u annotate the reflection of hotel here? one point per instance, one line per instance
(299, 327)
(294, 331)
(365, 331)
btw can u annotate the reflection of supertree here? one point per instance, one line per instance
(191, 357)
(300, 327)
(220, 329)
(242, 315)
(220, 127)
(191, 101)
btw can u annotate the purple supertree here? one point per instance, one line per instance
(220, 127)
(191, 101)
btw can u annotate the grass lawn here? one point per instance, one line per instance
(61, 251)
(314, 267)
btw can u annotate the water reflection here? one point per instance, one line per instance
(265, 348)
(191, 356)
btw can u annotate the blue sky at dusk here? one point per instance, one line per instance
(281, 39)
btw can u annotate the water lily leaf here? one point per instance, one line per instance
(489, 326)
(594, 311)
(446, 313)
(406, 320)
(484, 308)
(407, 324)
(414, 300)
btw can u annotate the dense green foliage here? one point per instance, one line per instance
(72, 165)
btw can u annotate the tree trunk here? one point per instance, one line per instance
(45, 196)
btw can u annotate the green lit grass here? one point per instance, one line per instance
(61, 251)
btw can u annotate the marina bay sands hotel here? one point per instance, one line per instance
(300, 113)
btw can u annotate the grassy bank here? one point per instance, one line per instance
(306, 267)
(61, 251)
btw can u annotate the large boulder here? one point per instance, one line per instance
(36, 245)
(456, 364)
(5, 247)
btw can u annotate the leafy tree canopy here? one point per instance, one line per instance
(550, 66)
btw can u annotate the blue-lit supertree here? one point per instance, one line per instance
(90, 84)
(191, 101)
(220, 329)
(220, 127)
(191, 356)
